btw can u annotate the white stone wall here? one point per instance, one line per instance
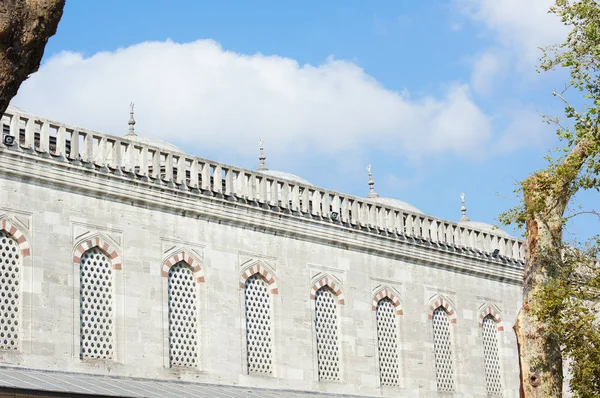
(56, 219)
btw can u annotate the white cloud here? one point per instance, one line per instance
(486, 67)
(523, 26)
(455, 26)
(200, 96)
(517, 29)
(524, 130)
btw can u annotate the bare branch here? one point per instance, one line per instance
(594, 212)
(577, 114)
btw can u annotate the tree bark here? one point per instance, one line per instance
(25, 27)
(546, 196)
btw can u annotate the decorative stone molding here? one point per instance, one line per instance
(389, 293)
(102, 155)
(102, 243)
(439, 301)
(18, 235)
(327, 280)
(259, 267)
(18, 165)
(490, 310)
(191, 261)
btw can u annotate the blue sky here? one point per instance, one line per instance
(441, 97)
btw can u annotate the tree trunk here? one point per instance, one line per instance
(546, 195)
(25, 27)
(540, 358)
(544, 378)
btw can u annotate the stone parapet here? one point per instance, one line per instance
(145, 173)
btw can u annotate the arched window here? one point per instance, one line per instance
(387, 338)
(443, 350)
(258, 325)
(490, 355)
(96, 305)
(327, 334)
(10, 291)
(183, 322)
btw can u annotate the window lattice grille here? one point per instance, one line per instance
(490, 356)
(96, 305)
(258, 325)
(443, 351)
(183, 323)
(327, 339)
(387, 337)
(10, 261)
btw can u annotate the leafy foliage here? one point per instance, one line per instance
(569, 303)
(562, 288)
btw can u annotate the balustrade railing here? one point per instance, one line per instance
(121, 157)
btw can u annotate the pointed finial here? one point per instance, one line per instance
(131, 120)
(372, 193)
(261, 155)
(463, 209)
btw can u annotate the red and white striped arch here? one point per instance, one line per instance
(386, 292)
(442, 302)
(330, 282)
(101, 243)
(18, 235)
(489, 310)
(190, 260)
(258, 268)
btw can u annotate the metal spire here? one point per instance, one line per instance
(372, 193)
(463, 209)
(131, 120)
(261, 156)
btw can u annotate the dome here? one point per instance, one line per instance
(485, 227)
(465, 221)
(155, 142)
(274, 173)
(398, 204)
(285, 176)
(391, 202)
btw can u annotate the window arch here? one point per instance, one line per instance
(387, 341)
(257, 268)
(185, 257)
(17, 235)
(442, 315)
(103, 245)
(10, 291)
(183, 316)
(326, 326)
(258, 324)
(491, 357)
(96, 303)
(329, 282)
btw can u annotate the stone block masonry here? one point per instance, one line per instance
(144, 207)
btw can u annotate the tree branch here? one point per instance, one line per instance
(594, 212)
(25, 27)
(577, 114)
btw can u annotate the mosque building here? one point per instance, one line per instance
(132, 269)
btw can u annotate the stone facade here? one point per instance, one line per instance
(327, 269)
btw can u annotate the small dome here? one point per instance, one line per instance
(285, 176)
(485, 227)
(274, 173)
(398, 204)
(482, 226)
(155, 142)
(391, 202)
